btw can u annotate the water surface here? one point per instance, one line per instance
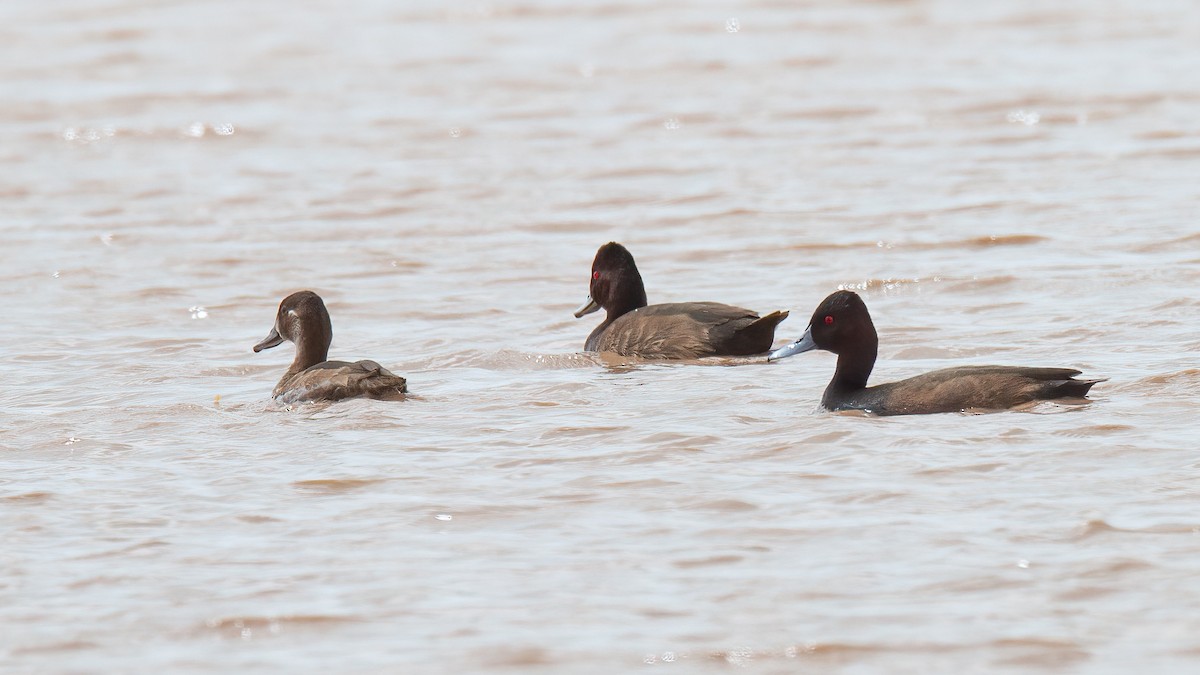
(1004, 182)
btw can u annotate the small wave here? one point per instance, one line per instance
(336, 485)
(248, 627)
(709, 561)
(28, 497)
(512, 359)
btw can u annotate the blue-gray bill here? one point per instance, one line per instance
(586, 308)
(804, 344)
(273, 339)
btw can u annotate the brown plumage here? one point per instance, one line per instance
(842, 325)
(681, 330)
(303, 319)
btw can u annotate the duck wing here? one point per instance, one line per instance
(688, 330)
(977, 387)
(338, 380)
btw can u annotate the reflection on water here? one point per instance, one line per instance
(1004, 182)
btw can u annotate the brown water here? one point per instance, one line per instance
(1005, 182)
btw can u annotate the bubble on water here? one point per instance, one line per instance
(671, 123)
(732, 25)
(1023, 564)
(223, 129)
(71, 440)
(455, 132)
(668, 657)
(70, 134)
(1026, 117)
(56, 274)
(444, 516)
(650, 659)
(247, 633)
(195, 130)
(198, 312)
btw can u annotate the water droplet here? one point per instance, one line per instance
(444, 516)
(671, 123)
(455, 132)
(732, 25)
(198, 312)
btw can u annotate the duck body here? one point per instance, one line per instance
(679, 330)
(686, 330)
(842, 325)
(958, 389)
(337, 380)
(303, 319)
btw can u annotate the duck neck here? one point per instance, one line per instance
(309, 353)
(630, 295)
(854, 365)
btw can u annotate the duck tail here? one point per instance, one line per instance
(760, 333)
(1073, 388)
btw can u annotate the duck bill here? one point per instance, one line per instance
(804, 344)
(273, 339)
(587, 308)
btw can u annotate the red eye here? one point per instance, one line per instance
(595, 275)
(828, 320)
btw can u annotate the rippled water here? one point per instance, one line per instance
(1005, 182)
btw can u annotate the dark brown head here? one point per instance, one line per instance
(302, 319)
(841, 324)
(616, 285)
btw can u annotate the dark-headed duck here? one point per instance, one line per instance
(677, 330)
(842, 325)
(303, 319)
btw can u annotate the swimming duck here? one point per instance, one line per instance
(303, 319)
(677, 330)
(842, 325)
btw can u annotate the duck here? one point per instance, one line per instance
(841, 324)
(303, 319)
(677, 330)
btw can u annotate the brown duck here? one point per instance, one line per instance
(843, 326)
(303, 319)
(678, 330)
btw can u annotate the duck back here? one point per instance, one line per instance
(337, 380)
(687, 330)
